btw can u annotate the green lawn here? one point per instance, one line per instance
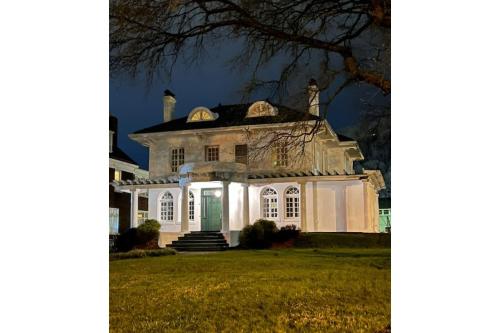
(299, 290)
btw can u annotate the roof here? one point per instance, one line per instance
(231, 115)
(344, 138)
(120, 155)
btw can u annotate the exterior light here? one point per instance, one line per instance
(218, 193)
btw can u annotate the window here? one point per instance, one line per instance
(176, 159)
(142, 216)
(281, 155)
(167, 207)
(114, 221)
(261, 109)
(118, 175)
(191, 206)
(211, 153)
(269, 203)
(241, 154)
(292, 202)
(201, 114)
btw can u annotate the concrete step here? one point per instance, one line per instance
(201, 241)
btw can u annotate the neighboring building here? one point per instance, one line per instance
(203, 176)
(122, 168)
(385, 214)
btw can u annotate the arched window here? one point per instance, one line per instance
(269, 203)
(292, 202)
(261, 109)
(201, 113)
(167, 207)
(191, 206)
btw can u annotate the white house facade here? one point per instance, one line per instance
(204, 176)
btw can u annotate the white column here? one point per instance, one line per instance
(315, 205)
(303, 212)
(225, 206)
(246, 217)
(134, 207)
(185, 209)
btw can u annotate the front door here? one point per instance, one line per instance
(211, 217)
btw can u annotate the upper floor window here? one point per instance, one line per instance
(281, 155)
(269, 203)
(167, 207)
(191, 206)
(241, 154)
(260, 109)
(176, 159)
(201, 114)
(211, 153)
(292, 202)
(118, 175)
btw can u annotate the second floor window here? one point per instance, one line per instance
(281, 155)
(211, 153)
(177, 159)
(241, 154)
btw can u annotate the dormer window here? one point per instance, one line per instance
(201, 114)
(261, 109)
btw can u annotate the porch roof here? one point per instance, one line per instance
(298, 176)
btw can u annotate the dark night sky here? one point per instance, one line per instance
(137, 106)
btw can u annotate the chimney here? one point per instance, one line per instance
(168, 105)
(313, 92)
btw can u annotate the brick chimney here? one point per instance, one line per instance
(313, 92)
(168, 105)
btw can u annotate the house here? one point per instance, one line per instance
(205, 174)
(122, 168)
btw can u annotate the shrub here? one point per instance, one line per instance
(127, 240)
(148, 234)
(128, 255)
(287, 233)
(142, 254)
(259, 235)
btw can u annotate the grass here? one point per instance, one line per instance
(293, 290)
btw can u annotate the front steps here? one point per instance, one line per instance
(201, 241)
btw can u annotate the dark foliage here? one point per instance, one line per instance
(259, 235)
(343, 239)
(142, 254)
(148, 233)
(127, 240)
(287, 233)
(144, 237)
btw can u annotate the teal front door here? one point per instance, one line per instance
(211, 213)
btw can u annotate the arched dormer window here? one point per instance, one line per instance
(292, 202)
(261, 109)
(269, 203)
(167, 207)
(201, 113)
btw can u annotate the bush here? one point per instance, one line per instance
(287, 233)
(259, 235)
(127, 240)
(144, 237)
(134, 254)
(343, 240)
(148, 234)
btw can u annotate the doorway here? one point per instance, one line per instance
(211, 212)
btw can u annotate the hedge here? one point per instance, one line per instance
(343, 239)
